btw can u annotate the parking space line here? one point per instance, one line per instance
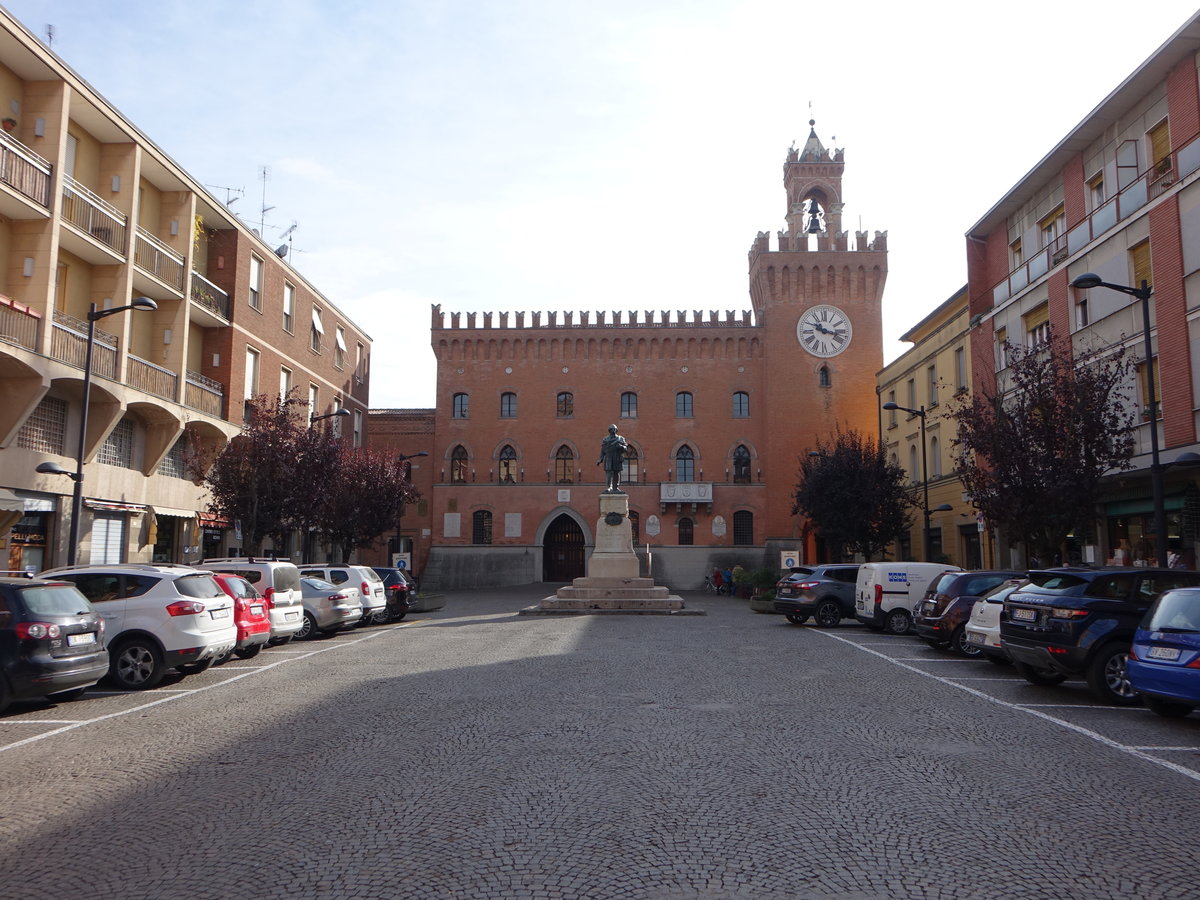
(42, 721)
(1168, 749)
(985, 678)
(1080, 706)
(931, 659)
(1029, 711)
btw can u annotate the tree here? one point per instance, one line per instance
(854, 497)
(364, 498)
(1032, 455)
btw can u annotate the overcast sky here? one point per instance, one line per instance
(555, 154)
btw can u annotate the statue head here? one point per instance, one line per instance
(612, 429)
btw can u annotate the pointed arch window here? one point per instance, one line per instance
(508, 465)
(685, 464)
(458, 465)
(687, 531)
(564, 465)
(824, 379)
(629, 470)
(741, 465)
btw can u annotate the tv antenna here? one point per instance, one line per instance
(229, 192)
(264, 173)
(49, 35)
(283, 251)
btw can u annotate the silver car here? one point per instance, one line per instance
(365, 579)
(327, 607)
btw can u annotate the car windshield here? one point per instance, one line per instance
(55, 600)
(286, 578)
(371, 575)
(1055, 582)
(943, 584)
(317, 584)
(1175, 611)
(201, 586)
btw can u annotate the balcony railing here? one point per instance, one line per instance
(23, 170)
(153, 256)
(204, 394)
(208, 295)
(69, 344)
(146, 376)
(101, 220)
(18, 324)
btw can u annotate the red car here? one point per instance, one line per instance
(249, 615)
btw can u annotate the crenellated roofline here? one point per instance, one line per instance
(656, 319)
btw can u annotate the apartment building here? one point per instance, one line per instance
(1119, 197)
(93, 216)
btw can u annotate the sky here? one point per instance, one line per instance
(562, 155)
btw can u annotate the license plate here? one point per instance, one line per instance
(1024, 615)
(221, 613)
(74, 640)
(291, 616)
(1170, 653)
(256, 610)
(974, 637)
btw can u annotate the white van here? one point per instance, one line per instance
(887, 592)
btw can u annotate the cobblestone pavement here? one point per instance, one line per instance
(475, 753)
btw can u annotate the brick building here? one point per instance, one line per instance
(716, 407)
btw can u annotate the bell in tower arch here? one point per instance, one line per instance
(814, 218)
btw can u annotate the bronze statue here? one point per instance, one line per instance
(612, 457)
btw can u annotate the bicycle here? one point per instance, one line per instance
(710, 586)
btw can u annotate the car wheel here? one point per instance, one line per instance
(67, 696)
(1034, 675)
(898, 621)
(197, 667)
(827, 614)
(796, 619)
(308, 629)
(399, 617)
(1168, 709)
(1108, 676)
(249, 652)
(960, 645)
(381, 617)
(136, 665)
(223, 658)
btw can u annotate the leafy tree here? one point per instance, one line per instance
(364, 498)
(854, 497)
(1032, 454)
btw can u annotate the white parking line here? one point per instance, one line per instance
(985, 678)
(931, 659)
(1168, 749)
(42, 721)
(1029, 711)
(178, 693)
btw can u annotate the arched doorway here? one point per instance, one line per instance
(563, 550)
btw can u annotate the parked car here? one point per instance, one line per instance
(398, 590)
(328, 608)
(249, 616)
(368, 582)
(1164, 661)
(983, 628)
(940, 618)
(51, 641)
(1070, 622)
(824, 592)
(886, 592)
(278, 580)
(156, 617)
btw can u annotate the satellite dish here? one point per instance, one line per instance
(282, 251)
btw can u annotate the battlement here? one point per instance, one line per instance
(838, 243)
(567, 319)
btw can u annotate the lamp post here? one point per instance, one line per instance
(402, 458)
(93, 316)
(924, 477)
(1091, 280)
(340, 412)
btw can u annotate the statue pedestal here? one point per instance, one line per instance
(613, 584)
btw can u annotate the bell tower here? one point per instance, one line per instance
(818, 297)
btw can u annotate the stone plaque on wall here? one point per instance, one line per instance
(512, 524)
(652, 526)
(451, 525)
(719, 526)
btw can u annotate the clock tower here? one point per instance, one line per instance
(818, 298)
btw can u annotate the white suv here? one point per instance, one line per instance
(366, 579)
(278, 580)
(156, 617)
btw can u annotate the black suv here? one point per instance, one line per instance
(940, 619)
(1081, 622)
(824, 592)
(399, 592)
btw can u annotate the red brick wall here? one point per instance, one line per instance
(1183, 102)
(1169, 308)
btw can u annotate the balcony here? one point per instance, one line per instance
(204, 394)
(27, 174)
(155, 258)
(93, 216)
(685, 492)
(69, 344)
(18, 324)
(146, 376)
(207, 295)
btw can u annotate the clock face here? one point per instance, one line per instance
(824, 331)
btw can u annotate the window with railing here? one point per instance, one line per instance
(508, 465)
(117, 449)
(46, 428)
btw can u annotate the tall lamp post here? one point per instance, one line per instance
(1091, 280)
(926, 511)
(93, 316)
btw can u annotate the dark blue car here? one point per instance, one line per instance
(1164, 662)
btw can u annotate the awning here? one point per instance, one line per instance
(340, 340)
(320, 329)
(12, 508)
(114, 506)
(174, 513)
(209, 521)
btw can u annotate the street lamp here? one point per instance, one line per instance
(924, 475)
(1091, 280)
(340, 412)
(49, 468)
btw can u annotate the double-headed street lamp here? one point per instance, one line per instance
(50, 468)
(945, 507)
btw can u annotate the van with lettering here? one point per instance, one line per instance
(887, 592)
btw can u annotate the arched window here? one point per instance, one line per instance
(460, 406)
(564, 465)
(458, 465)
(741, 465)
(685, 464)
(741, 405)
(686, 530)
(823, 377)
(629, 469)
(481, 526)
(565, 405)
(683, 405)
(935, 458)
(913, 471)
(743, 527)
(508, 405)
(635, 523)
(508, 465)
(629, 405)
